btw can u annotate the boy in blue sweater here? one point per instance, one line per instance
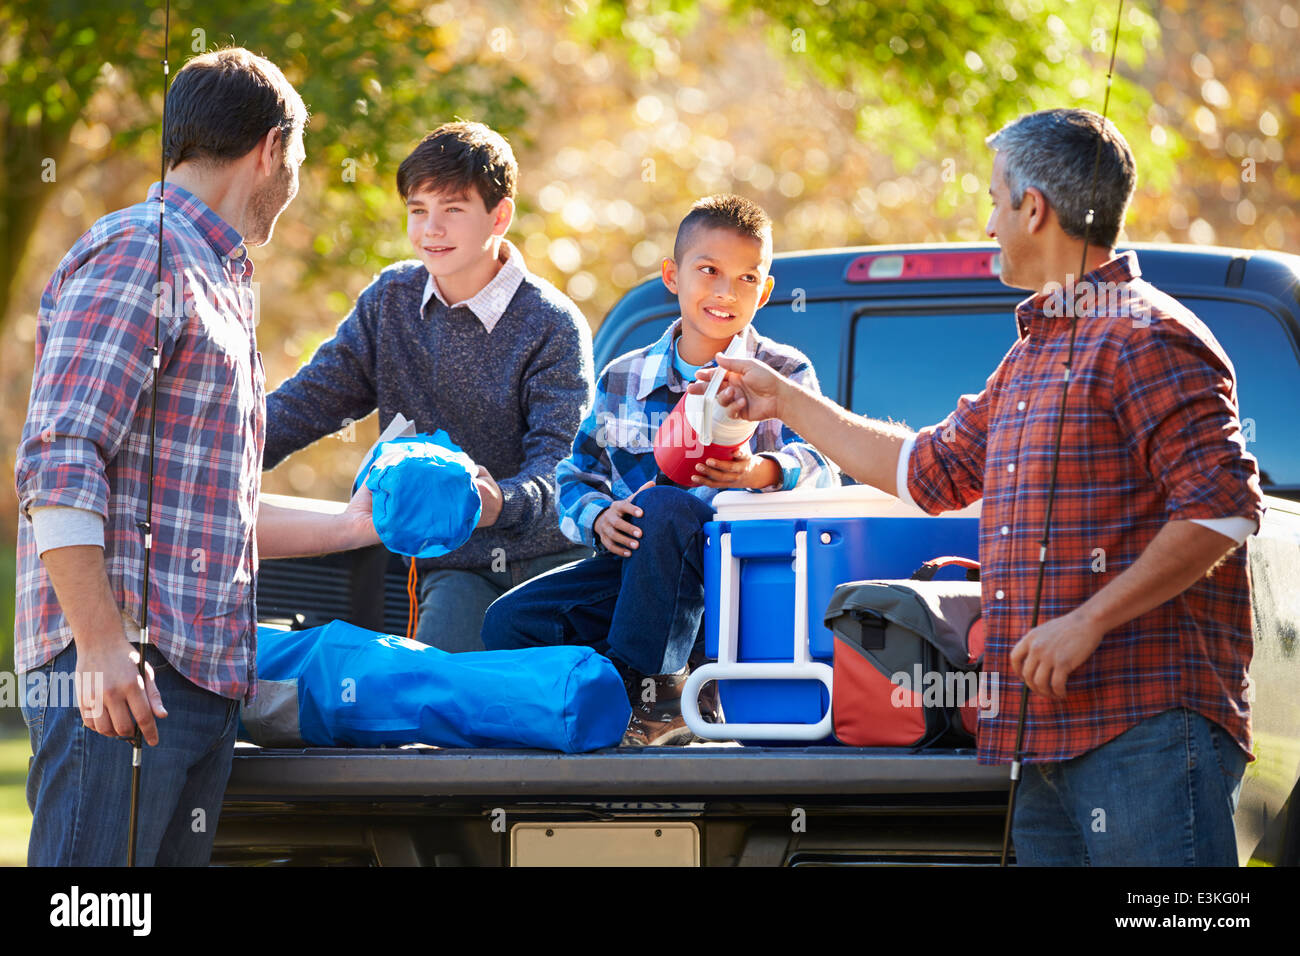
(468, 340)
(640, 600)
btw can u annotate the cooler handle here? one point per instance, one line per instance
(754, 670)
(800, 667)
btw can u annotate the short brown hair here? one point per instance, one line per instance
(456, 156)
(725, 211)
(223, 102)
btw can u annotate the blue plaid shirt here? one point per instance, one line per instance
(85, 443)
(613, 452)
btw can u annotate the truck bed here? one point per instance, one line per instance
(695, 771)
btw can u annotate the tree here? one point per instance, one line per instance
(371, 73)
(924, 75)
(374, 73)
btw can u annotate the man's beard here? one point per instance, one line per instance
(265, 206)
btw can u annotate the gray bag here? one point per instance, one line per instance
(907, 660)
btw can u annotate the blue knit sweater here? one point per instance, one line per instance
(512, 399)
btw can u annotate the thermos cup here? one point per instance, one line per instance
(699, 428)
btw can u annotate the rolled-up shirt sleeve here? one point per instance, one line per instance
(55, 526)
(1238, 529)
(945, 469)
(904, 466)
(95, 363)
(1176, 399)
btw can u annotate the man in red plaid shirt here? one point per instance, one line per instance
(1138, 728)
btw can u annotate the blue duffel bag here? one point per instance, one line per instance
(343, 686)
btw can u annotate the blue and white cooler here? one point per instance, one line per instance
(771, 564)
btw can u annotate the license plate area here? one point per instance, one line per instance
(599, 843)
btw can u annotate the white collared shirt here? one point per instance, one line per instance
(490, 302)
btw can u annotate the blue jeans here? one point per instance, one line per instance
(79, 782)
(1162, 793)
(453, 601)
(643, 611)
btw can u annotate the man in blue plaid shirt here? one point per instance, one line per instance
(233, 144)
(640, 600)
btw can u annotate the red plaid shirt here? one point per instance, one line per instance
(1151, 435)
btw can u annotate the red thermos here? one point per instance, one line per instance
(679, 446)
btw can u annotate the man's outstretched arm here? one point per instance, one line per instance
(943, 471)
(863, 447)
(293, 529)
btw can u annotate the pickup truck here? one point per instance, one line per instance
(896, 332)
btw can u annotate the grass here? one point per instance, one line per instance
(15, 818)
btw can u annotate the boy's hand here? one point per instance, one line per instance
(744, 470)
(616, 533)
(753, 389)
(490, 494)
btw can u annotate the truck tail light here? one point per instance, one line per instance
(891, 266)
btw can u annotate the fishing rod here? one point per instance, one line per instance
(1018, 759)
(146, 525)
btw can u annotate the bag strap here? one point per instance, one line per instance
(927, 571)
(412, 601)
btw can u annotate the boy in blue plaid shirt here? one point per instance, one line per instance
(640, 600)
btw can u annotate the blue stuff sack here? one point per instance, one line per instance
(343, 686)
(425, 501)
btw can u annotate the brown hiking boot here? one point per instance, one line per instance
(657, 719)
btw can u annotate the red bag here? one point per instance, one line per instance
(907, 659)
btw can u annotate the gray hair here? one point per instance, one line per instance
(1054, 151)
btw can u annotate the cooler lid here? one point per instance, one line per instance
(845, 501)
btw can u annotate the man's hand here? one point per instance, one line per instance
(111, 692)
(1046, 656)
(107, 679)
(490, 493)
(616, 533)
(359, 517)
(753, 390)
(744, 470)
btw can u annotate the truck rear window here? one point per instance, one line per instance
(913, 367)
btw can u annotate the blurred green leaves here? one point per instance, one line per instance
(929, 77)
(376, 77)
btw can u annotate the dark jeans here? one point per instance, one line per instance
(643, 611)
(452, 601)
(1162, 793)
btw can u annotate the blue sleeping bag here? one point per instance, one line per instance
(343, 686)
(425, 501)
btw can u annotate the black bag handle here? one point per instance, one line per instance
(927, 571)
